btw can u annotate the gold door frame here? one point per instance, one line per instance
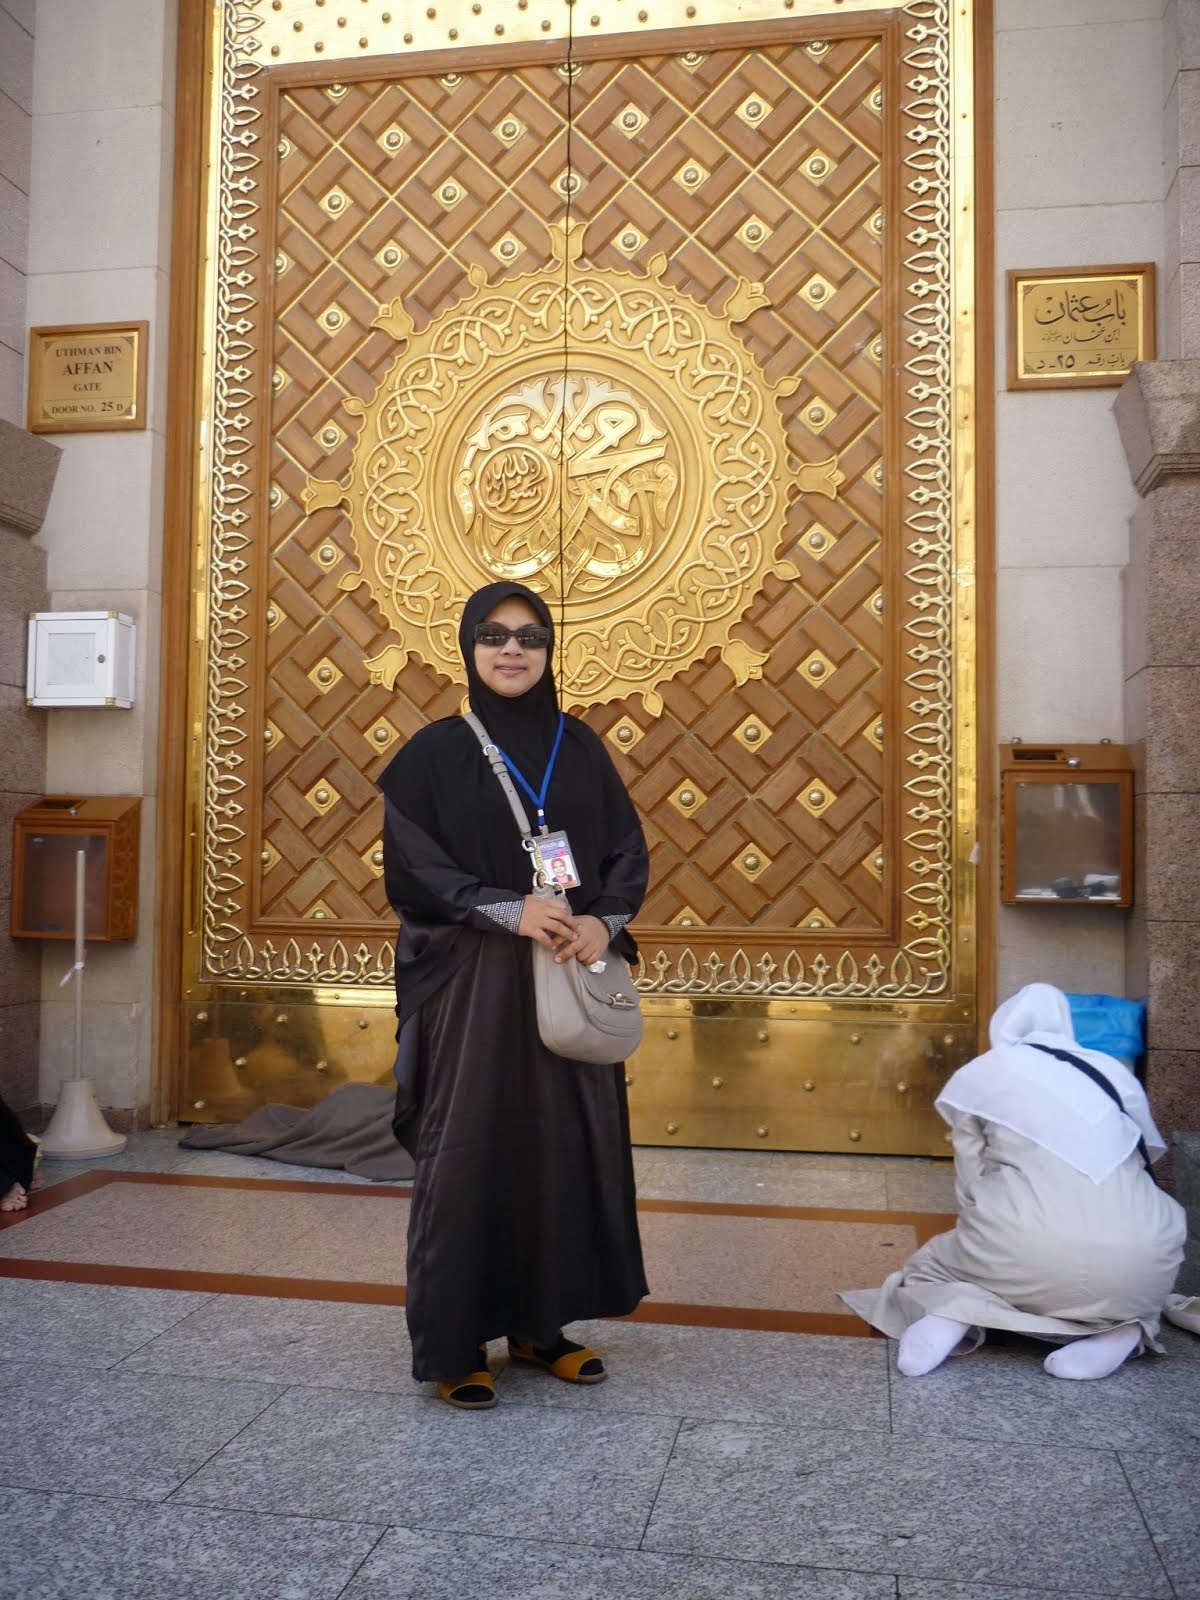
(774, 1047)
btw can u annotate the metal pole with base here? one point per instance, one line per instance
(77, 1129)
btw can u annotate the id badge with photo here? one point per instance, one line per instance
(557, 862)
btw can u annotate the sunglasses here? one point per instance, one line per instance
(529, 638)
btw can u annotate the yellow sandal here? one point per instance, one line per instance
(475, 1392)
(568, 1366)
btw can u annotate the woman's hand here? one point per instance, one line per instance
(589, 942)
(549, 921)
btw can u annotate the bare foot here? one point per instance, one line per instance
(15, 1200)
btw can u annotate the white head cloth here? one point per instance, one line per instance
(1050, 1101)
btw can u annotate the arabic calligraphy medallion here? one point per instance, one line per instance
(595, 435)
(618, 500)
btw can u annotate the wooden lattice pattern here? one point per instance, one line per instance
(362, 175)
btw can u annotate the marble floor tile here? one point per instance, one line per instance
(655, 1369)
(157, 1150)
(65, 1547)
(409, 1565)
(349, 1238)
(759, 1178)
(932, 1589)
(774, 1262)
(380, 1458)
(223, 1164)
(730, 1177)
(837, 1188)
(1000, 1392)
(777, 1263)
(939, 1508)
(156, 1225)
(785, 1378)
(85, 1324)
(110, 1433)
(317, 1342)
(152, 1149)
(1167, 1486)
(915, 1185)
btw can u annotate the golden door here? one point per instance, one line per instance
(670, 317)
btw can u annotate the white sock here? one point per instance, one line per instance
(1097, 1355)
(927, 1343)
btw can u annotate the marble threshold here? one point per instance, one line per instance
(768, 1268)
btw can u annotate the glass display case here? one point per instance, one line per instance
(1066, 825)
(47, 837)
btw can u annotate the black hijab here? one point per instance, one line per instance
(523, 726)
(441, 782)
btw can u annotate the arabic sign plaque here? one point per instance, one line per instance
(1079, 327)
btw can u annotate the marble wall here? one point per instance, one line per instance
(26, 473)
(1079, 180)
(27, 468)
(16, 139)
(99, 251)
(1181, 157)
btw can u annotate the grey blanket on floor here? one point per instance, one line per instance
(351, 1128)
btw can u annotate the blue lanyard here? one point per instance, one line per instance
(539, 800)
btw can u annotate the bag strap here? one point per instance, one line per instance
(1101, 1082)
(496, 761)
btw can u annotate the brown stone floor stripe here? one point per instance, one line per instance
(89, 1182)
(756, 1319)
(371, 1294)
(86, 1183)
(923, 1223)
(762, 1320)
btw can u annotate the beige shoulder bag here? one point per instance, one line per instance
(584, 1013)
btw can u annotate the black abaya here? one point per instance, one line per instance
(18, 1153)
(523, 1216)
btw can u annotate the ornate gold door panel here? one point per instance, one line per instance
(675, 326)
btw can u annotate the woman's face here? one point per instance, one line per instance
(508, 669)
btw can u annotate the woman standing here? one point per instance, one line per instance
(523, 1216)
(1061, 1231)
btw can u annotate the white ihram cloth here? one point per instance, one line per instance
(1061, 1230)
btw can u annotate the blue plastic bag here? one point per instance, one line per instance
(1105, 1022)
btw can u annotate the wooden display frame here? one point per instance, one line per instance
(112, 904)
(1075, 764)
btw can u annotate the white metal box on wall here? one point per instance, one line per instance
(80, 658)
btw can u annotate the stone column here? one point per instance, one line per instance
(1158, 413)
(27, 468)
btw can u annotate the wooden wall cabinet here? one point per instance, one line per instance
(46, 840)
(1066, 825)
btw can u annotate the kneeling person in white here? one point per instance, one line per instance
(1062, 1232)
